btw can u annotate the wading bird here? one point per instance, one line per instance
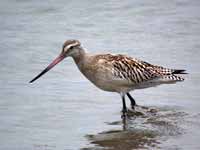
(115, 73)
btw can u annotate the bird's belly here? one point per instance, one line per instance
(108, 82)
(111, 86)
(106, 85)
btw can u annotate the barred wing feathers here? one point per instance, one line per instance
(137, 71)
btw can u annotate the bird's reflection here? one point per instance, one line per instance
(138, 132)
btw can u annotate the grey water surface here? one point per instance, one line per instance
(63, 110)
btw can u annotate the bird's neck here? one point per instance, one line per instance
(84, 61)
(79, 57)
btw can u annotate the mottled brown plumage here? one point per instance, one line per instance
(135, 70)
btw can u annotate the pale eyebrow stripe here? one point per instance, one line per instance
(73, 44)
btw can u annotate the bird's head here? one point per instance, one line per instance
(70, 48)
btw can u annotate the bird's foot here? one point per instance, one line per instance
(133, 106)
(124, 114)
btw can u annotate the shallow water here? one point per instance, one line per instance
(63, 110)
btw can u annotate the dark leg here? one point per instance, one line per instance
(133, 103)
(124, 109)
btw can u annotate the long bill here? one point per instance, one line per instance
(50, 66)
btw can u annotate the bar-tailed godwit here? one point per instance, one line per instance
(115, 73)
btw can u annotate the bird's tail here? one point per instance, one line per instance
(179, 71)
(174, 75)
(171, 78)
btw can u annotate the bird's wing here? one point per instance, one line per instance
(165, 74)
(135, 70)
(128, 68)
(163, 70)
